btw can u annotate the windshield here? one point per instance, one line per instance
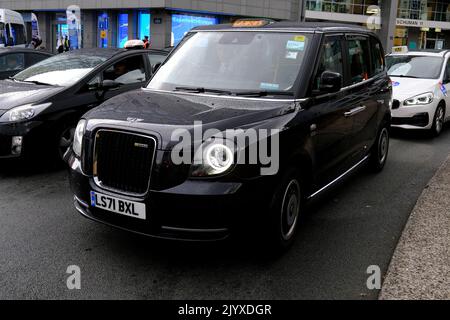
(235, 62)
(414, 66)
(61, 70)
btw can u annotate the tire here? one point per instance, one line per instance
(380, 150)
(438, 121)
(284, 213)
(64, 140)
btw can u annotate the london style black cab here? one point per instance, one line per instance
(238, 129)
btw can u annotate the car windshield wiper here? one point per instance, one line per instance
(203, 90)
(30, 81)
(265, 93)
(403, 76)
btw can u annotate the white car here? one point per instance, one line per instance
(421, 89)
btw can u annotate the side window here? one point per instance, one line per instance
(127, 71)
(18, 33)
(331, 59)
(2, 34)
(359, 59)
(155, 59)
(12, 62)
(378, 65)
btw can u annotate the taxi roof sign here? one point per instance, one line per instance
(134, 44)
(400, 49)
(251, 23)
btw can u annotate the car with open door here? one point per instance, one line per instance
(40, 106)
(240, 127)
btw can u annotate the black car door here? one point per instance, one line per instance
(330, 129)
(366, 93)
(11, 64)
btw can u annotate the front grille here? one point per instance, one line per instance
(419, 120)
(5, 146)
(395, 104)
(123, 161)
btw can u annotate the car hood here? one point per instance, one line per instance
(164, 112)
(179, 109)
(405, 88)
(14, 94)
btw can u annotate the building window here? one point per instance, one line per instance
(122, 26)
(182, 24)
(342, 6)
(144, 25)
(103, 25)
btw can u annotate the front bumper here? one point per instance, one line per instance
(414, 117)
(191, 211)
(28, 132)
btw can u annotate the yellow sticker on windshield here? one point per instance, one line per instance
(300, 38)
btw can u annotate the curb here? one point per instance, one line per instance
(420, 266)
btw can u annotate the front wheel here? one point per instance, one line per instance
(438, 121)
(380, 150)
(285, 212)
(65, 140)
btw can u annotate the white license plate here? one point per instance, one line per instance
(120, 206)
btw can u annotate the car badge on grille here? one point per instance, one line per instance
(141, 145)
(134, 120)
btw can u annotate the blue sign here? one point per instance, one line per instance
(122, 36)
(182, 24)
(144, 25)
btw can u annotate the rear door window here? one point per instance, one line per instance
(358, 59)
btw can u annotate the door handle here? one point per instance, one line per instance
(355, 111)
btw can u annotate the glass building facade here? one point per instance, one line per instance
(342, 6)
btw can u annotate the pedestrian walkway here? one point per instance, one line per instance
(420, 267)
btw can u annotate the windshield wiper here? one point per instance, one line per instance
(203, 90)
(265, 93)
(403, 76)
(30, 81)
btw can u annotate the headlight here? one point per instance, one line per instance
(422, 99)
(22, 113)
(78, 137)
(213, 158)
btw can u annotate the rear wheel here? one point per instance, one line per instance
(438, 121)
(380, 150)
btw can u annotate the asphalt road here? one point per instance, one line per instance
(347, 230)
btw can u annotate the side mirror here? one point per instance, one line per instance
(330, 82)
(156, 67)
(109, 85)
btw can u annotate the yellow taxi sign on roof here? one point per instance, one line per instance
(400, 49)
(250, 23)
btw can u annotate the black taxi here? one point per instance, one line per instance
(240, 127)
